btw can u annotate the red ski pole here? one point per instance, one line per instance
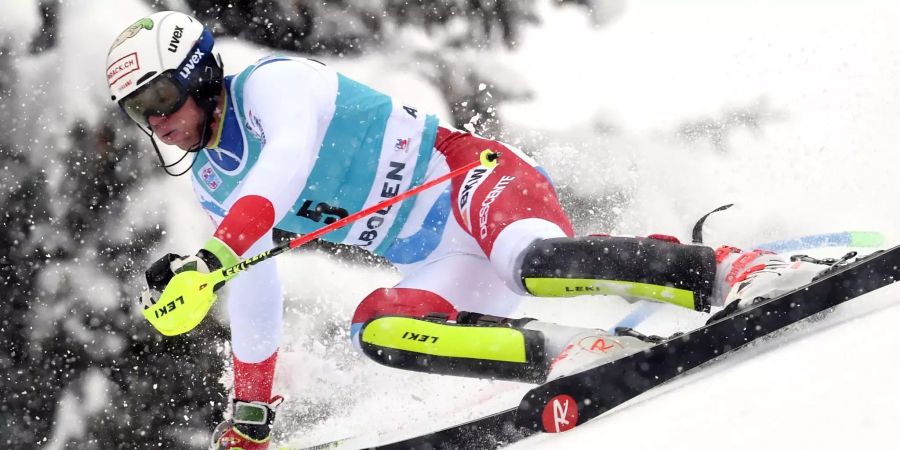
(189, 295)
(486, 159)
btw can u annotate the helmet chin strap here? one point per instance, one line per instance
(208, 105)
(205, 136)
(162, 162)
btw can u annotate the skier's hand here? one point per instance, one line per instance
(161, 272)
(213, 256)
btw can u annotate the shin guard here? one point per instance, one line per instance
(475, 346)
(645, 268)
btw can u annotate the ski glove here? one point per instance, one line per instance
(214, 255)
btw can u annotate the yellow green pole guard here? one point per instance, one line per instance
(184, 303)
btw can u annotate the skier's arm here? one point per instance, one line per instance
(282, 104)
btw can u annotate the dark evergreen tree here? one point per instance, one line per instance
(27, 389)
(70, 270)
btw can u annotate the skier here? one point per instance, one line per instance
(290, 144)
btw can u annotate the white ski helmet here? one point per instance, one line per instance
(161, 60)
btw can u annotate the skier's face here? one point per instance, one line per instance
(182, 128)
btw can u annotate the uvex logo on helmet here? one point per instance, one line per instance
(176, 39)
(191, 64)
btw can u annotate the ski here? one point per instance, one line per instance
(493, 431)
(566, 402)
(563, 403)
(337, 443)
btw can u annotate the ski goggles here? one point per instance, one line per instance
(168, 92)
(160, 97)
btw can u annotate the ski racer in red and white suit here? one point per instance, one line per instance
(440, 239)
(291, 144)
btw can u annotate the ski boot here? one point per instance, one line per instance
(771, 276)
(573, 349)
(491, 347)
(249, 428)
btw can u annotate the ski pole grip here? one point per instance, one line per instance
(489, 158)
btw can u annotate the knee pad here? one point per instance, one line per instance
(644, 268)
(404, 302)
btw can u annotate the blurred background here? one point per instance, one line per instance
(647, 114)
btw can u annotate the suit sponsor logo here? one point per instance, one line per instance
(473, 179)
(254, 126)
(389, 189)
(489, 200)
(210, 178)
(227, 160)
(411, 111)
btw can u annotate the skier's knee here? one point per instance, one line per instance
(406, 302)
(648, 268)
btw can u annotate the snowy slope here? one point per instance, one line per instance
(607, 113)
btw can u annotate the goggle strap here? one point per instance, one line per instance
(204, 45)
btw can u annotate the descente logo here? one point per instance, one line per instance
(489, 200)
(471, 183)
(191, 64)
